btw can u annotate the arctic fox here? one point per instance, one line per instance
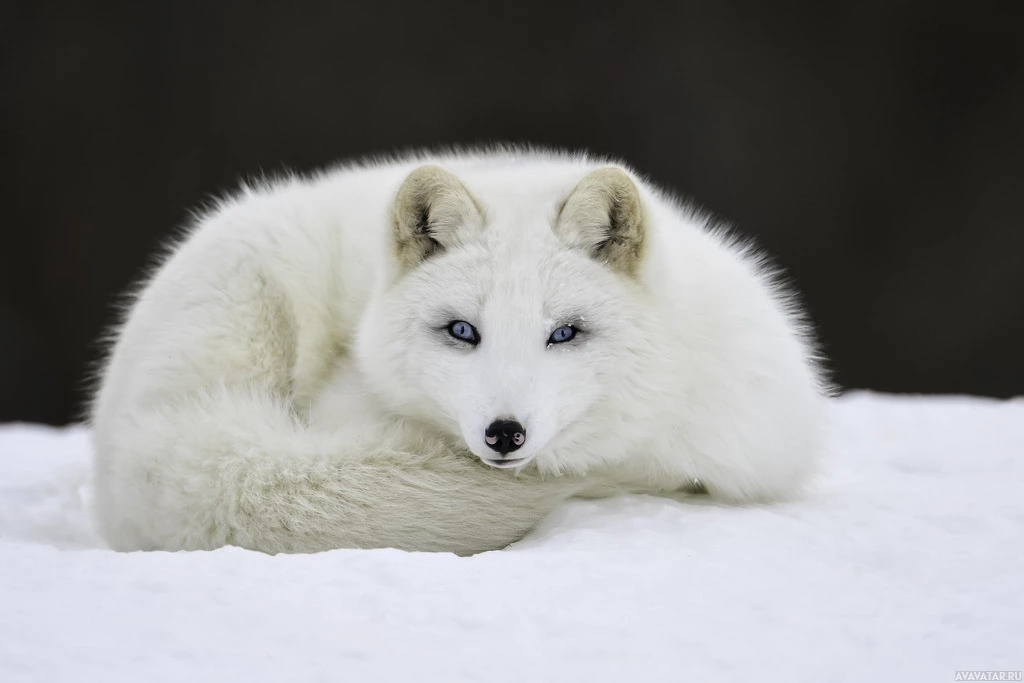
(432, 352)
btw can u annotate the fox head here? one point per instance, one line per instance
(506, 318)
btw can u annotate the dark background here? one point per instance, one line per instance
(875, 148)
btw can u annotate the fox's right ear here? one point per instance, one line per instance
(432, 212)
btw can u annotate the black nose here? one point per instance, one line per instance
(505, 436)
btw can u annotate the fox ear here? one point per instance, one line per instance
(432, 212)
(604, 216)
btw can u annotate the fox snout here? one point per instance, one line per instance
(505, 436)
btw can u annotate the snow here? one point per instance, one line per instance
(905, 563)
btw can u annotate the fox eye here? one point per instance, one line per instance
(562, 334)
(463, 331)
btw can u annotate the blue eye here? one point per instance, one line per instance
(562, 334)
(463, 331)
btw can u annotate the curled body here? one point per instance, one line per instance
(433, 352)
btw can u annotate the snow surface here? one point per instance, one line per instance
(905, 564)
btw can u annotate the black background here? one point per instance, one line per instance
(875, 148)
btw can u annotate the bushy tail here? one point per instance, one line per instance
(237, 467)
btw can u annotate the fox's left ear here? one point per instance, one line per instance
(604, 216)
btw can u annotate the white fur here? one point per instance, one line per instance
(279, 385)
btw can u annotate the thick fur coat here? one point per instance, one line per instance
(317, 362)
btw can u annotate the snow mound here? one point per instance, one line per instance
(905, 563)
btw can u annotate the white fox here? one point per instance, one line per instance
(431, 353)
